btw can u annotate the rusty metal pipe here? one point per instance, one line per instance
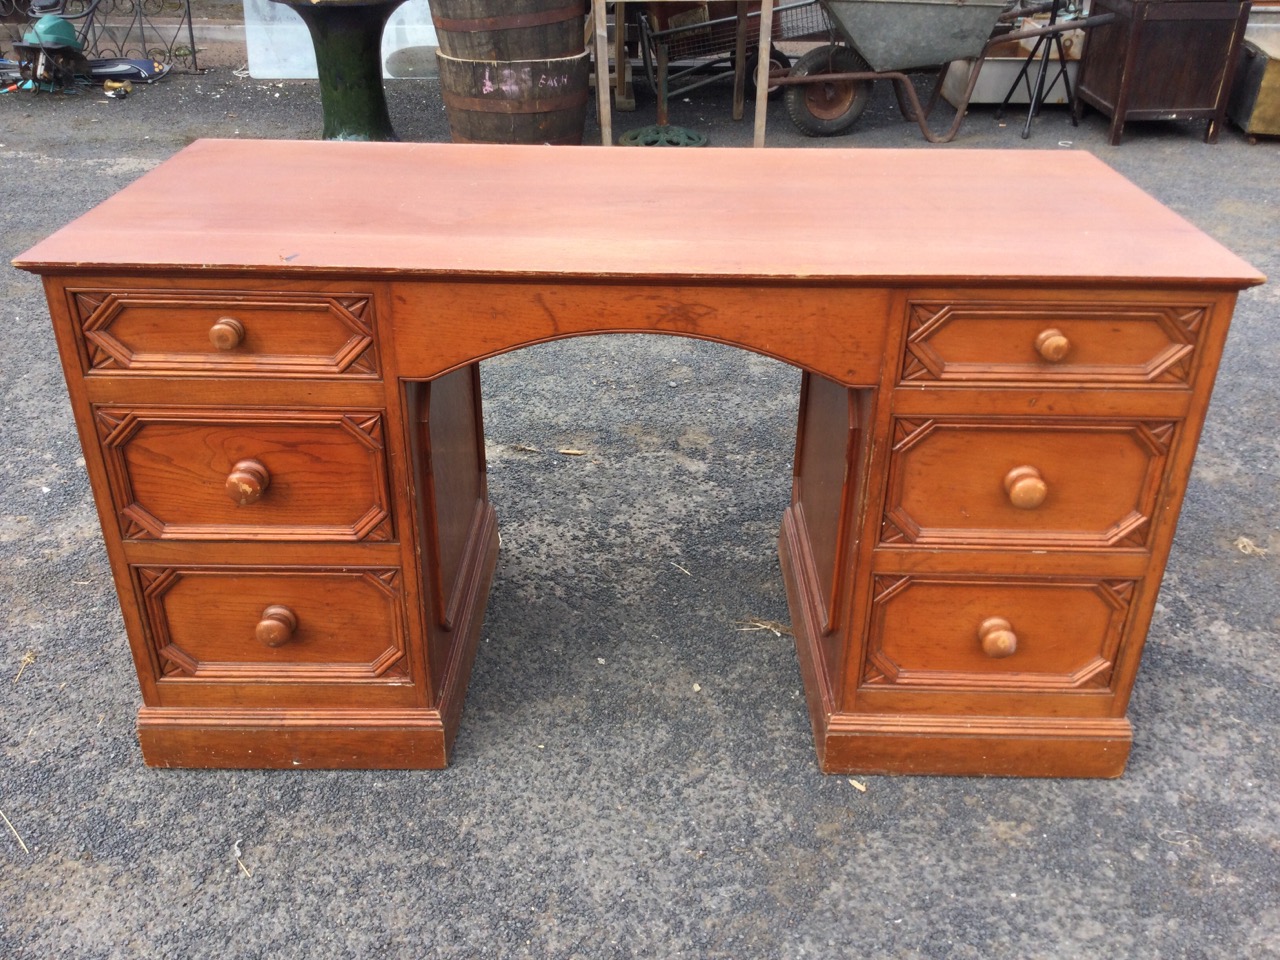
(1063, 26)
(1027, 11)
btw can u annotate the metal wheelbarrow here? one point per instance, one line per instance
(829, 87)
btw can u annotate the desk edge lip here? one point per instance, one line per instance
(59, 268)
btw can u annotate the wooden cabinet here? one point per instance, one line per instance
(242, 440)
(1255, 97)
(281, 419)
(1014, 528)
(1162, 60)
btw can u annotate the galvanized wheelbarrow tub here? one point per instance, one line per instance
(910, 34)
(828, 88)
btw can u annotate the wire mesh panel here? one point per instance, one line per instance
(708, 31)
(701, 39)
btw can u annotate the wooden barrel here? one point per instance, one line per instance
(516, 101)
(509, 29)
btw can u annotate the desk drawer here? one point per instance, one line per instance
(213, 333)
(284, 625)
(199, 474)
(974, 633)
(1067, 484)
(1040, 342)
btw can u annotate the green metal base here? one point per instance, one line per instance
(347, 35)
(662, 135)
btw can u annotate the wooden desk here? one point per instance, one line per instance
(277, 385)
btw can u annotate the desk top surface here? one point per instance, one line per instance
(327, 208)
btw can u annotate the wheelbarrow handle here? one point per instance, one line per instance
(1062, 26)
(1028, 11)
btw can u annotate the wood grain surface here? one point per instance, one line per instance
(493, 210)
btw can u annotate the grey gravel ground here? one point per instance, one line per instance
(635, 774)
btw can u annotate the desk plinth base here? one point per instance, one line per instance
(294, 739)
(939, 745)
(351, 739)
(974, 746)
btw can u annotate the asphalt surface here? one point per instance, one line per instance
(635, 774)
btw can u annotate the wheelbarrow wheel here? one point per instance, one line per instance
(825, 108)
(777, 61)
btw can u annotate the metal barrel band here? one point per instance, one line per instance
(541, 105)
(567, 141)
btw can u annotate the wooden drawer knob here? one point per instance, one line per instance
(227, 333)
(997, 638)
(1026, 488)
(277, 626)
(1052, 344)
(247, 482)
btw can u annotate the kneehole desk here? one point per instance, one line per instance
(272, 351)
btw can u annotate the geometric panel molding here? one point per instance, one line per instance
(949, 482)
(279, 334)
(323, 473)
(348, 623)
(995, 341)
(926, 632)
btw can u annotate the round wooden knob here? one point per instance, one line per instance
(997, 638)
(227, 333)
(277, 626)
(1053, 345)
(247, 482)
(1026, 488)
